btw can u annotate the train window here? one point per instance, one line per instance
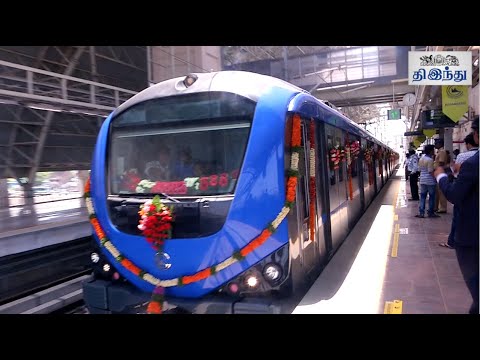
(181, 145)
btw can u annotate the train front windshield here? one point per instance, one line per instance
(184, 145)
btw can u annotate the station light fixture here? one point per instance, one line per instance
(190, 80)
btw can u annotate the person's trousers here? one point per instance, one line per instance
(468, 260)
(440, 200)
(414, 186)
(424, 190)
(451, 237)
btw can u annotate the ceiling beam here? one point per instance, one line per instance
(365, 95)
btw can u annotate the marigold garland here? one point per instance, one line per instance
(157, 302)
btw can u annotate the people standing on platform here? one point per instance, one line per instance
(472, 148)
(441, 159)
(455, 154)
(414, 173)
(464, 194)
(405, 164)
(427, 182)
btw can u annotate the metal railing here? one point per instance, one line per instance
(44, 88)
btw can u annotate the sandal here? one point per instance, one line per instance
(445, 245)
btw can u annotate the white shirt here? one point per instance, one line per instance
(465, 155)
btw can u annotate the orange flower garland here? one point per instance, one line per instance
(296, 131)
(156, 304)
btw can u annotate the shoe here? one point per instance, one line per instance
(445, 245)
(434, 216)
(442, 212)
(413, 199)
(420, 216)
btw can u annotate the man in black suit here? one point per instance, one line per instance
(463, 193)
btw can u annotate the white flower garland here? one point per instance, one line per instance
(312, 162)
(294, 161)
(144, 186)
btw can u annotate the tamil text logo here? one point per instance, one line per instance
(440, 68)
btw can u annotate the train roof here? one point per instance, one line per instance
(252, 86)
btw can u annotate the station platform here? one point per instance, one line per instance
(24, 228)
(392, 263)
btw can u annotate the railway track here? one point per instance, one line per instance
(46, 279)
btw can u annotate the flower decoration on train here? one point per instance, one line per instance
(156, 222)
(368, 154)
(342, 154)
(131, 182)
(354, 149)
(334, 157)
(158, 230)
(379, 153)
(350, 150)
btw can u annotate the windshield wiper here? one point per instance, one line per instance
(168, 197)
(147, 195)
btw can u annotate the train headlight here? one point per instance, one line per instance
(95, 257)
(272, 272)
(252, 281)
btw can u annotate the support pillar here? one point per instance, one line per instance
(448, 140)
(28, 194)
(4, 203)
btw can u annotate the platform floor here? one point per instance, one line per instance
(22, 217)
(392, 255)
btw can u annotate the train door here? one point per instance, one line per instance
(354, 190)
(334, 166)
(342, 185)
(367, 174)
(375, 169)
(361, 184)
(323, 235)
(309, 253)
(381, 166)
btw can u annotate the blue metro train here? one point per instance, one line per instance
(255, 184)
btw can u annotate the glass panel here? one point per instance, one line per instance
(388, 69)
(370, 71)
(180, 145)
(354, 73)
